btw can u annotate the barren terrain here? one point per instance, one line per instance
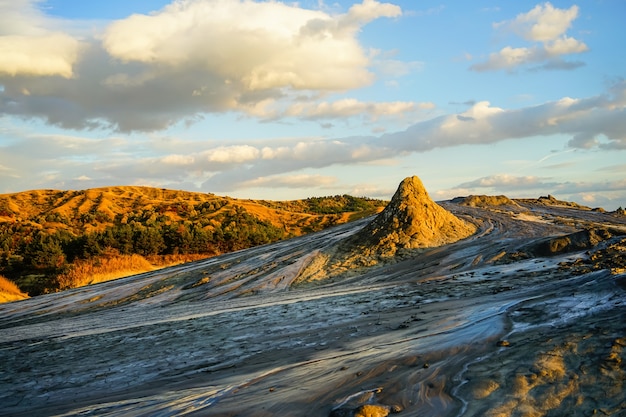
(491, 325)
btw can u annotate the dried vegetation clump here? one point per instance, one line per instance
(9, 291)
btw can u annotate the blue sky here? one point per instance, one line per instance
(285, 100)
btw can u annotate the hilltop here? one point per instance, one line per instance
(52, 240)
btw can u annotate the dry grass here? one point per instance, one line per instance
(9, 291)
(161, 261)
(103, 269)
(113, 266)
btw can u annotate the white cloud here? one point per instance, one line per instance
(543, 23)
(564, 46)
(179, 160)
(262, 45)
(232, 154)
(30, 44)
(148, 72)
(290, 181)
(506, 182)
(352, 107)
(52, 54)
(545, 26)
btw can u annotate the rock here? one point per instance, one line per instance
(585, 239)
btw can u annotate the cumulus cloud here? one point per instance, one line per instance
(147, 72)
(31, 45)
(258, 45)
(543, 23)
(46, 55)
(545, 26)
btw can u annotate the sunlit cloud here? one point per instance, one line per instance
(290, 181)
(500, 182)
(32, 45)
(147, 72)
(351, 107)
(545, 26)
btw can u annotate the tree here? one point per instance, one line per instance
(44, 253)
(148, 241)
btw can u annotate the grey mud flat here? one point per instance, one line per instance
(465, 329)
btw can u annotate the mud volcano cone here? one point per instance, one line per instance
(410, 221)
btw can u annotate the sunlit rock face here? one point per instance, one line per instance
(410, 221)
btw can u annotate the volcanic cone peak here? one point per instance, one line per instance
(411, 220)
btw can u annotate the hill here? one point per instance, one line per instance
(52, 240)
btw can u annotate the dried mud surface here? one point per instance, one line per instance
(474, 328)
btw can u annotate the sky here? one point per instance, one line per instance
(282, 100)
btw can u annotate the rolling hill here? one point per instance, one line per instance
(52, 240)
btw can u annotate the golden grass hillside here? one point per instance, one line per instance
(52, 240)
(94, 209)
(9, 291)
